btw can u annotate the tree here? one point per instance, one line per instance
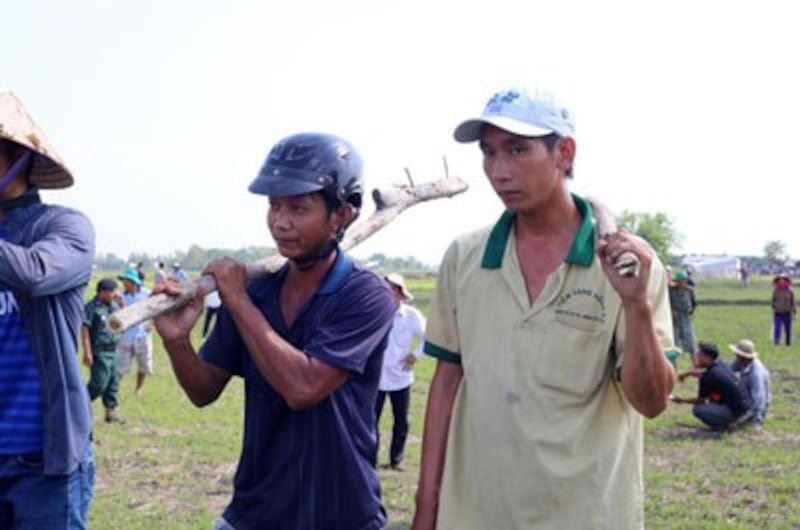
(775, 253)
(655, 228)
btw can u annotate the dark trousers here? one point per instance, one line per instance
(782, 321)
(399, 400)
(104, 380)
(210, 312)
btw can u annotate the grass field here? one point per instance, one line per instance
(171, 465)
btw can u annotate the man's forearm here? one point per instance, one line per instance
(434, 442)
(301, 380)
(201, 381)
(647, 376)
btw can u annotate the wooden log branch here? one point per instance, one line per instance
(628, 263)
(388, 205)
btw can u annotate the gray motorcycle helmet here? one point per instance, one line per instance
(310, 162)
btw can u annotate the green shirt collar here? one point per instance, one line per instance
(580, 253)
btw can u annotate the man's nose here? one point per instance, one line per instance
(497, 169)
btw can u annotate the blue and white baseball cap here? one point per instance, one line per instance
(517, 112)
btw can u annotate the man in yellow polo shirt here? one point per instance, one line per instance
(547, 356)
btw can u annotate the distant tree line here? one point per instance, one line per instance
(193, 259)
(196, 258)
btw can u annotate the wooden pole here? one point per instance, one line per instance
(388, 205)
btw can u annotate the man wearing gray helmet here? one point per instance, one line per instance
(308, 342)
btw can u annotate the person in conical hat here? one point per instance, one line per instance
(46, 254)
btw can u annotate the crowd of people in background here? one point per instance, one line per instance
(735, 394)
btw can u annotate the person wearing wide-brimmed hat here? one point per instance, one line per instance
(397, 372)
(755, 377)
(136, 342)
(46, 255)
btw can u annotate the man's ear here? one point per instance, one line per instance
(342, 217)
(566, 148)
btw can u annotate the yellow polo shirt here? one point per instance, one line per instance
(541, 434)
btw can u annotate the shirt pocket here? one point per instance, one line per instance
(573, 360)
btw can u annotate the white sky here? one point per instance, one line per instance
(165, 110)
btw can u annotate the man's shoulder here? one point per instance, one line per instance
(363, 283)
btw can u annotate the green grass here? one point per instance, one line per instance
(171, 465)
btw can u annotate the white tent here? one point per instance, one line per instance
(713, 266)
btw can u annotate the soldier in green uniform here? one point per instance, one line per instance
(99, 347)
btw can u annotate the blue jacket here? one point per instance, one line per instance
(46, 260)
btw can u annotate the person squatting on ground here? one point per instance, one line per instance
(308, 341)
(46, 254)
(135, 342)
(783, 308)
(754, 376)
(722, 402)
(547, 356)
(681, 300)
(397, 374)
(100, 347)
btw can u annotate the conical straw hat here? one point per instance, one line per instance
(48, 171)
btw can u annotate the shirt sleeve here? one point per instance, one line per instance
(60, 260)
(704, 385)
(225, 347)
(441, 334)
(419, 331)
(88, 312)
(346, 335)
(758, 390)
(658, 295)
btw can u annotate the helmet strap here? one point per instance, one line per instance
(308, 261)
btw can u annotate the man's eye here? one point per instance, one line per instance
(516, 150)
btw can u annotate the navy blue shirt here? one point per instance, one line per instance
(720, 385)
(311, 469)
(21, 424)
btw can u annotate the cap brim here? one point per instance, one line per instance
(470, 130)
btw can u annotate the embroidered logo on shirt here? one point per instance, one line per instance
(581, 306)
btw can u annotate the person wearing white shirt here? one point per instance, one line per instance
(398, 364)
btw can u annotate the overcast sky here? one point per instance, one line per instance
(165, 110)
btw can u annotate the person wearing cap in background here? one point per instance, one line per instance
(547, 356)
(136, 341)
(178, 274)
(783, 308)
(46, 255)
(722, 402)
(308, 342)
(755, 378)
(397, 374)
(99, 347)
(681, 301)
